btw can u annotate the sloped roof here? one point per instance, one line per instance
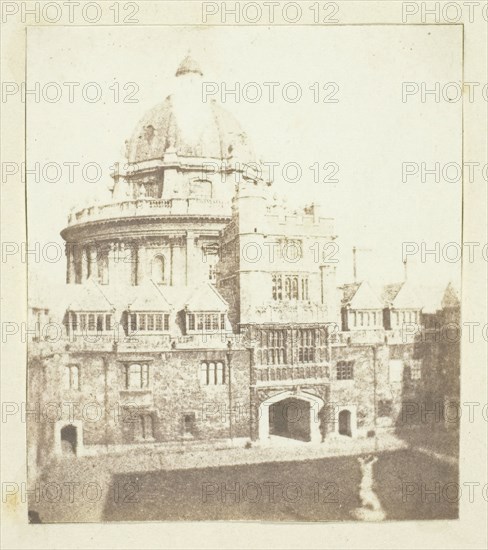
(89, 297)
(435, 298)
(390, 292)
(451, 297)
(206, 298)
(360, 296)
(401, 296)
(348, 292)
(189, 65)
(148, 297)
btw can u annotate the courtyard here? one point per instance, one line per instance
(409, 485)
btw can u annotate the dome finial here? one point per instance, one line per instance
(188, 65)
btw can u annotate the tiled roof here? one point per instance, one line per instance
(206, 298)
(88, 297)
(149, 297)
(348, 292)
(390, 292)
(435, 298)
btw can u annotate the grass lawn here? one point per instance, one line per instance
(315, 490)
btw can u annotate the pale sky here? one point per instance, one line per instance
(369, 133)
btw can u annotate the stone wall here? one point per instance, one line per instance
(106, 412)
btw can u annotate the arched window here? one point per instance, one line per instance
(158, 270)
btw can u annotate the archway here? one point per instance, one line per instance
(345, 423)
(290, 418)
(295, 416)
(69, 440)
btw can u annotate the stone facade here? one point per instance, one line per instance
(201, 309)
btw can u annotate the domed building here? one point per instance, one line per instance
(205, 308)
(171, 198)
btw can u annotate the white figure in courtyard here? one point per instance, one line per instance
(371, 509)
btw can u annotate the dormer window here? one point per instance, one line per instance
(147, 322)
(209, 322)
(80, 322)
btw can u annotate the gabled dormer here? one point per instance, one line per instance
(401, 305)
(361, 308)
(206, 311)
(148, 311)
(90, 311)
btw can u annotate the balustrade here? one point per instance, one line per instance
(146, 207)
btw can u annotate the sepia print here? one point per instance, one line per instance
(237, 310)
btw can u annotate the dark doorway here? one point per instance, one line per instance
(345, 423)
(69, 440)
(290, 418)
(189, 425)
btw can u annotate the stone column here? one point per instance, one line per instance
(84, 263)
(113, 261)
(141, 267)
(170, 278)
(189, 258)
(121, 263)
(70, 263)
(102, 265)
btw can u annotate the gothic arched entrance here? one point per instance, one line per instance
(294, 415)
(290, 418)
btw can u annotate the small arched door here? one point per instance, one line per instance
(345, 423)
(69, 440)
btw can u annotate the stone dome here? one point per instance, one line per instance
(186, 124)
